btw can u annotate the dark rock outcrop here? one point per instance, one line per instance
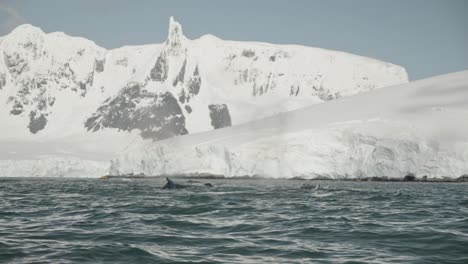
(180, 76)
(294, 90)
(194, 82)
(157, 116)
(325, 94)
(2, 80)
(37, 122)
(188, 109)
(161, 67)
(99, 65)
(17, 108)
(15, 63)
(219, 114)
(183, 97)
(248, 53)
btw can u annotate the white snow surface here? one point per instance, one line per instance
(420, 128)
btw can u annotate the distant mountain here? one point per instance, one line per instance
(53, 85)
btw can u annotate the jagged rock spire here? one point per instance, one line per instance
(175, 37)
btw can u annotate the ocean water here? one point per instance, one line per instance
(236, 221)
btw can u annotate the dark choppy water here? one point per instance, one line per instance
(95, 221)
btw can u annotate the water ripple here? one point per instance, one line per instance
(237, 221)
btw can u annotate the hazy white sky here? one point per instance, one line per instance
(428, 37)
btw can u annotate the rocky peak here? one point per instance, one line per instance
(175, 38)
(23, 34)
(20, 47)
(26, 29)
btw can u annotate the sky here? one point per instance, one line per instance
(427, 37)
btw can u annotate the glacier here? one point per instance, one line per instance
(417, 128)
(53, 166)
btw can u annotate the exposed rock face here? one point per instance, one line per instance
(219, 114)
(183, 97)
(17, 108)
(37, 122)
(195, 83)
(248, 53)
(157, 116)
(15, 64)
(163, 120)
(159, 71)
(99, 65)
(2, 80)
(180, 76)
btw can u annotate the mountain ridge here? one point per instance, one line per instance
(204, 36)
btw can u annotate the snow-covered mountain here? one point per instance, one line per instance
(68, 106)
(52, 85)
(420, 128)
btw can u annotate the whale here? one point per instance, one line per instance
(172, 185)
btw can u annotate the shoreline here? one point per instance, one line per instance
(407, 178)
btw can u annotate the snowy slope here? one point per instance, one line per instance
(418, 127)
